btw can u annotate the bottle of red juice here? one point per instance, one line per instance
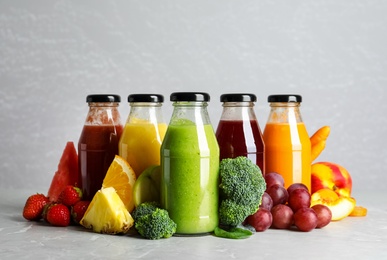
(98, 143)
(238, 132)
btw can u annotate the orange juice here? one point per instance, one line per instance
(287, 148)
(140, 144)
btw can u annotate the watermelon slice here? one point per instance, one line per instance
(67, 173)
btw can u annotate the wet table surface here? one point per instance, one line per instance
(350, 238)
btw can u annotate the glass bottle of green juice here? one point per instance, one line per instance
(190, 166)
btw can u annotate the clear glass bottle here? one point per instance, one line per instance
(238, 132)
(190, 166)
(287, 143)
(143, 132)
(98, 143)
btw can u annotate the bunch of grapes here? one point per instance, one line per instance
(283, 208)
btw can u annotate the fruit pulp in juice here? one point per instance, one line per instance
(241, 138)
(287, 152)
(140, 144)
(97, 146)
(189, 190)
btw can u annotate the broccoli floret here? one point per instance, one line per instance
(144, 209)
(241, 188)
(232, 213)
(152, 222)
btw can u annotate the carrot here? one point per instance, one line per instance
(317, 149)
(320, 135)
(318, 141)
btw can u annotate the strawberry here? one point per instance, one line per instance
(78, 210)
(70, 195)
(45, 209)
(33, 208)
(58, 215)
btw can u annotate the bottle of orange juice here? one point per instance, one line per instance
(143, 132)
(287, 143)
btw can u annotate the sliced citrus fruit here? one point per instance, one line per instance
(358, 211)
(107, 213)
(147, 186)
(121, 177)
(340, 207)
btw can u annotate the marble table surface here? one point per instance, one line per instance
(350, 238)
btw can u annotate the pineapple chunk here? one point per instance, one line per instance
(107, 213)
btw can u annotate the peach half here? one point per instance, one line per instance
(340, 207)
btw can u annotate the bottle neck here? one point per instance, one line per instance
(103, 113)
(238, 104)
(285, 112)
(238, 111)
(145, 112)
(103, 104)
(186, 113)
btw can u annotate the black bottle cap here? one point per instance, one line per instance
(238, 97)
(146, 98)
(284, 98)
(190, 96)
(103, 98)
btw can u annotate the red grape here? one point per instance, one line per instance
(273, 178)
(305, 219)
(297, 185)
(278, 194)
(267, 201)
(260, 220)
(282, 216)
(324, 215)
(299, 198)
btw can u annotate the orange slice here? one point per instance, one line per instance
(358, 211)
(121, 177)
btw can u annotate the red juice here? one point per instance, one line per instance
(97, 146)
(241, 138)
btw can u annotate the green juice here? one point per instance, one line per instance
(190, 165)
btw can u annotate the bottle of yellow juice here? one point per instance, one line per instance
(143, 132)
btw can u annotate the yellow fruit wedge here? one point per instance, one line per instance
(340, 207)
(359, 211)
(107, 213)
(121, 177)
(147, 186)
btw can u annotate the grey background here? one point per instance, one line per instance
(54, 53)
